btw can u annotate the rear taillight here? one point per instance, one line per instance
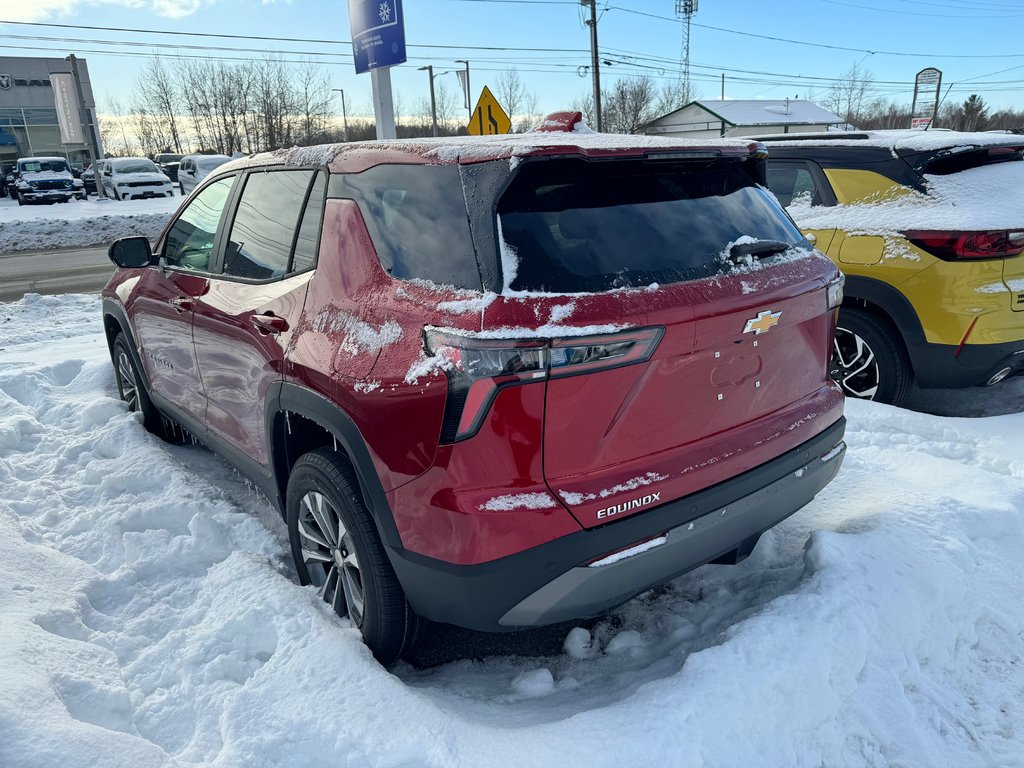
(480, 367)
(954, 246)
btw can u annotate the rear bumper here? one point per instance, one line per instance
(938, 365)
(553, 582)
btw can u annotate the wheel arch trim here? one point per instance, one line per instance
(891, 303)
(289, 398)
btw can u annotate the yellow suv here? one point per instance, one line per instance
(929, 228)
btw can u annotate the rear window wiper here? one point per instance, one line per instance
(758, 249)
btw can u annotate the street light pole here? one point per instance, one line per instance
(344, 113)
(468, 93)
(433, 102)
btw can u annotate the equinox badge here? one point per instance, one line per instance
(764, 321)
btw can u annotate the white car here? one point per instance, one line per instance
(44, 180)
(194, 168)
(131, 178)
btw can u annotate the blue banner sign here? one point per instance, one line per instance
(378, 33)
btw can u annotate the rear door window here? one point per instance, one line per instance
(260, 244)
(588, 226)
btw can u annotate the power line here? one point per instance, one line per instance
(292, 39)
(825, 45)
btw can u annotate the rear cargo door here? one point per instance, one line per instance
(740, 358)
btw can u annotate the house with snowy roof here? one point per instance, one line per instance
(709, 119)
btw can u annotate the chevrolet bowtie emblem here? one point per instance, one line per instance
(764, 321)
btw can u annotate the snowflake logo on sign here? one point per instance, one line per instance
(384, 12)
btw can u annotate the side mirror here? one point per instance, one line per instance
(131, 252)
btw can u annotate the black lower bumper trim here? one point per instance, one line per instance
(552, 582)
(938, 365)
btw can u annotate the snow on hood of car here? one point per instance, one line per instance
(982, 198)
(453, 149)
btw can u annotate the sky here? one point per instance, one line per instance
(976, 43)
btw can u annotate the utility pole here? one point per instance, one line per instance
(344, 113)
(595, 63)
(433, 102)
(723, 86)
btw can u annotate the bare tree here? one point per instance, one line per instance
(530, 116)
(629, 105)
(112, 130)
(510, 92)
(584, 104)
(675, 95)
(850, 95)
(312, 102)
(157, 91)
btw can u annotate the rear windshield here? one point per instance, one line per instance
(579, 226)
(976, 158)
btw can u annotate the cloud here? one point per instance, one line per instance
(45, 10)
(38, 10)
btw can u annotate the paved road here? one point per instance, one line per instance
(69, 270)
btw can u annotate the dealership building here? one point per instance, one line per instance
(47, 109)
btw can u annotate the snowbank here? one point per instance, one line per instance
(150, 616)
(80, 223)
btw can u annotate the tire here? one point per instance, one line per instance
(181, 188)
(20, 201)
(869, 360)
(132, 390)
(347, 561)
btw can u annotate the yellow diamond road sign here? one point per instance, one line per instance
(488, 117)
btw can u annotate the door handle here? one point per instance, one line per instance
(269, 323)
(183, 304)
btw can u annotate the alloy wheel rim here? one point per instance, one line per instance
(854, 365)
(126, 379)
(330, 557)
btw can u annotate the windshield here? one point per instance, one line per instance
(135, 166)
(209, 163)
(579, 226)
(38, 166)
(169, 158)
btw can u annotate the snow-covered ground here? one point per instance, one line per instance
(149, 616)
(80, 223)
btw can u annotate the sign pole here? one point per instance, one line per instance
(378, 43)
(383, 103)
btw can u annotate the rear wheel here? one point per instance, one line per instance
(869, 360)
(337, 549)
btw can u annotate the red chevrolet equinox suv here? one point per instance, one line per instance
(499, 382)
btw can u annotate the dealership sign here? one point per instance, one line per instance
(378, 33)
(926, 97)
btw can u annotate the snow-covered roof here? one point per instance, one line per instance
(764, 112)
(909, 140)
(472, 149)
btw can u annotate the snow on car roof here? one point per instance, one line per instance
(473, 149)
(985, 198)
(916, 140)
